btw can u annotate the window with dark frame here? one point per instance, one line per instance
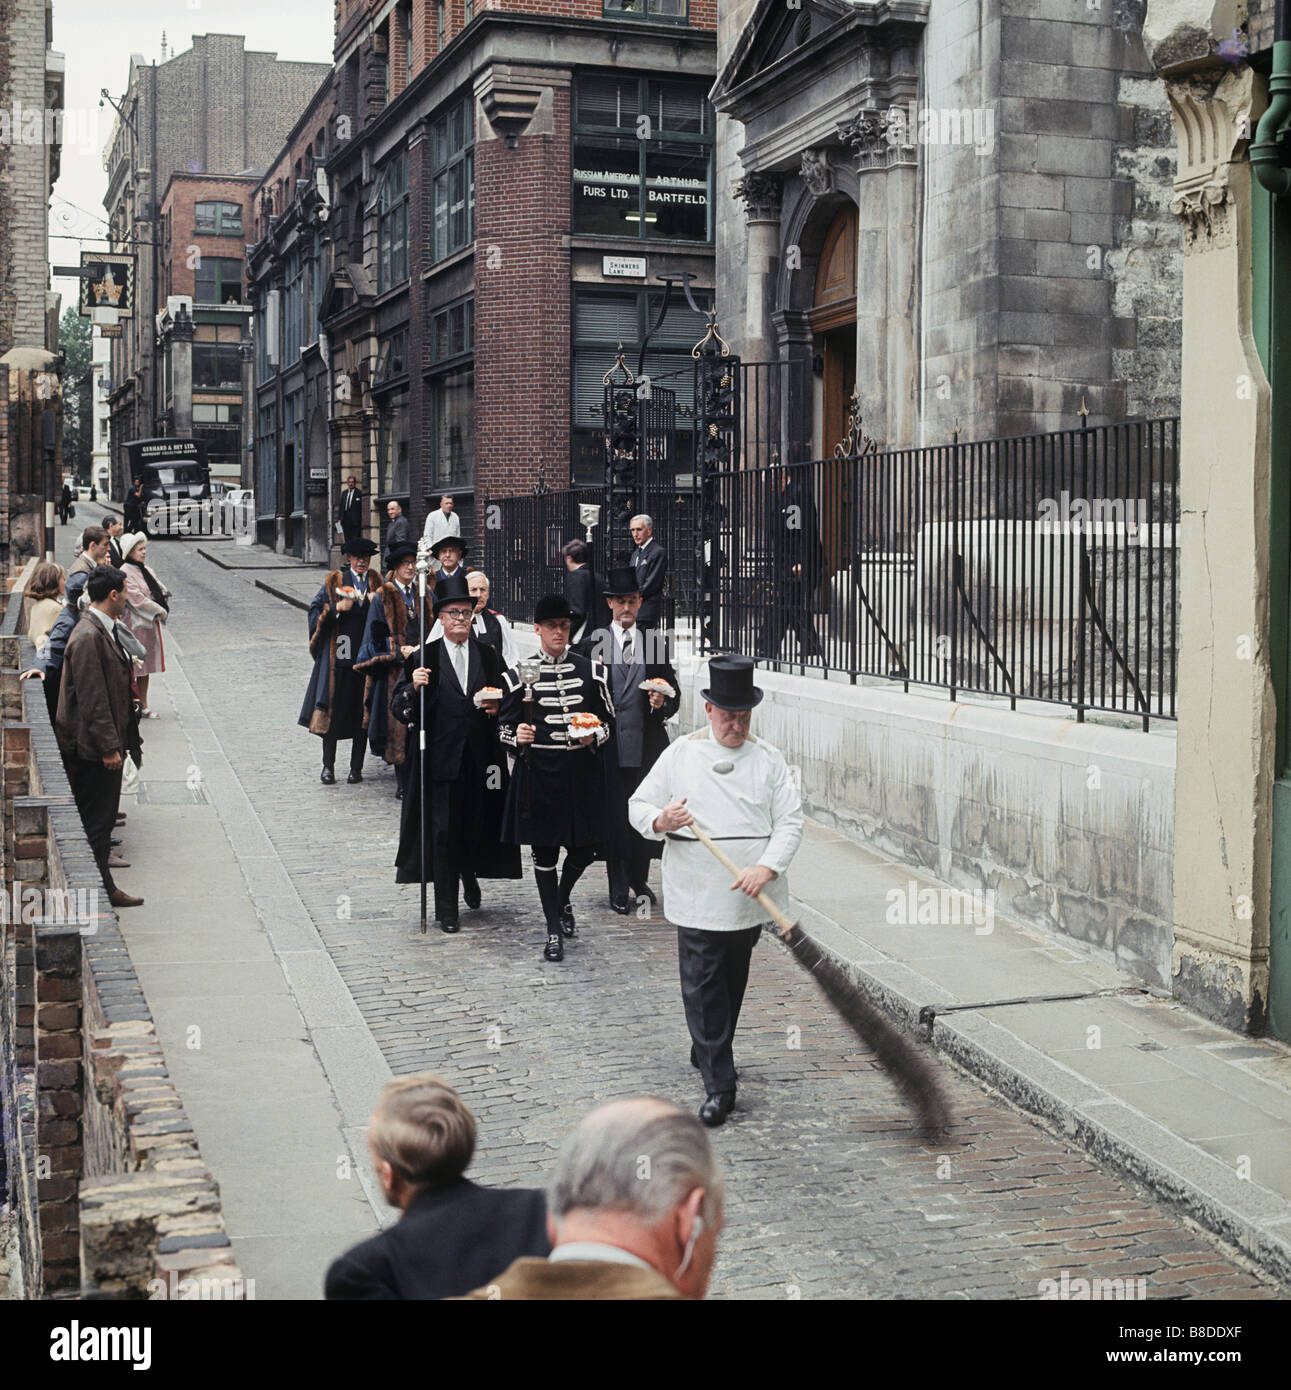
(643, 158)
(222, 219)
(451, 393)
(672, 11)
(392, 222)
(452, 201)
(217, 280)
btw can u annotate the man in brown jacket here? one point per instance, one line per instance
(634, 1210)
(93, 720)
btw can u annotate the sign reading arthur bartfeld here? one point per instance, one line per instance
(107, 282)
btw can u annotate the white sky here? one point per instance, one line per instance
(98, 40)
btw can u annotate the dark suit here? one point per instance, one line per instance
(466, 786)
(451, 1240)
(797, 568)
(640, 736)
(351, 513)
(397, 531)
(93, 722)
(651, 564)
(114, 552)
(590, 609)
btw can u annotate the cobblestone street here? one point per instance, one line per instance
(829, 1195)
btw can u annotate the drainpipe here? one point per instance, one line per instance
(1264, 149)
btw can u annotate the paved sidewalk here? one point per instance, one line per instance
(1200, 1114)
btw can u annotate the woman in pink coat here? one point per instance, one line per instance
(147, 608)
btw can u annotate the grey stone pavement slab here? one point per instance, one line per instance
(1200, 1114)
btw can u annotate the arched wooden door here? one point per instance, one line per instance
(833, 323)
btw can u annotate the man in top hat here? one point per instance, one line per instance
(450, 551)
(333, 706)
(392, 634)
(739, 790)
(634, 658)
(559, 792)
(465, 767)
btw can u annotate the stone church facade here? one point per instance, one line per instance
(959, 208)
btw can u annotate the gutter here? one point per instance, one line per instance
(1264, 157)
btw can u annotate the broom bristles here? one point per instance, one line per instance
(909, 1070)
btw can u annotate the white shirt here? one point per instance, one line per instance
(110, 624)
(754, 812)
(438, 525)
(594, 1250)
(510, 652)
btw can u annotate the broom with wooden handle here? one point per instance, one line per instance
(909, 1070)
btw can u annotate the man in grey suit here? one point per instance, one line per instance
(634, 657)
(399, 530)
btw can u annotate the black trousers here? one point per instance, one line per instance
(446, 808)
(358, 747)
(714, 973)
(634, 871)
(790, 611)
(98, 797)
(402, 771)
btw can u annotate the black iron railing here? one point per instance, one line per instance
(1043, 567)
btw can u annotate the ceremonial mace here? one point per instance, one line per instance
(423, 569)
(913, 1076)
(528, 670)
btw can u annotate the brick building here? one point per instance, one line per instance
(214, 109)
(505, 185)
(31, 100)
(204, 326)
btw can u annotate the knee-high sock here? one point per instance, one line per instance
(544, 870)
(576, 860)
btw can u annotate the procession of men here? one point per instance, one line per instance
(566, 753)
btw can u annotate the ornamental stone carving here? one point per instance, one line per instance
(760, 193)
(817, 172)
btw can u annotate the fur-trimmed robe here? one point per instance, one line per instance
(380, 659)
(324, 629)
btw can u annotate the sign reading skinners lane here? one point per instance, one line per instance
(107, 282)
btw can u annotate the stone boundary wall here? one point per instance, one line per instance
(1071, 825)
(110, 1195)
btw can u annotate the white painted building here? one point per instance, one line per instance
(101, 458)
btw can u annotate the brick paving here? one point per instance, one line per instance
(829, 1193)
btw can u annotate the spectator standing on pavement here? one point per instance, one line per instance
(399, 531)
(453, 1235)
(350, 515)
(583, 592)
(96, 546)
(443, 521)
(65, 504)
(650, 561)
(148, 607)
(634, 1211)
(132, 517)
(45, 591)
(93, 723)
(112, 525)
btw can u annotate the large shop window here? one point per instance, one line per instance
(266, 444)
(602, 320)
(393, 224)
(643, 158)
(216, 366)
(452, 186)
(670, 10)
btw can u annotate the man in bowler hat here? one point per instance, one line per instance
(740, 791)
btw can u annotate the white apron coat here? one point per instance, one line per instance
(754, 813)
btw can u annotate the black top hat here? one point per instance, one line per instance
(552, 606)
(403, 550)
(452, 589)
(360, 546)
(732, 683)
(619, 583)
(448, 540)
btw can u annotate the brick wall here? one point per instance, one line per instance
(522, 293)
(108, 1183)
(183, 195)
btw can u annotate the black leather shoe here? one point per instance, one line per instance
(623, 906)
(471, 891)
(716, 1108)
(451, 926)
(694, 1061)
(646, 892)
(567, 921)
(555, 948)
(328, 777)
(354, 777)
